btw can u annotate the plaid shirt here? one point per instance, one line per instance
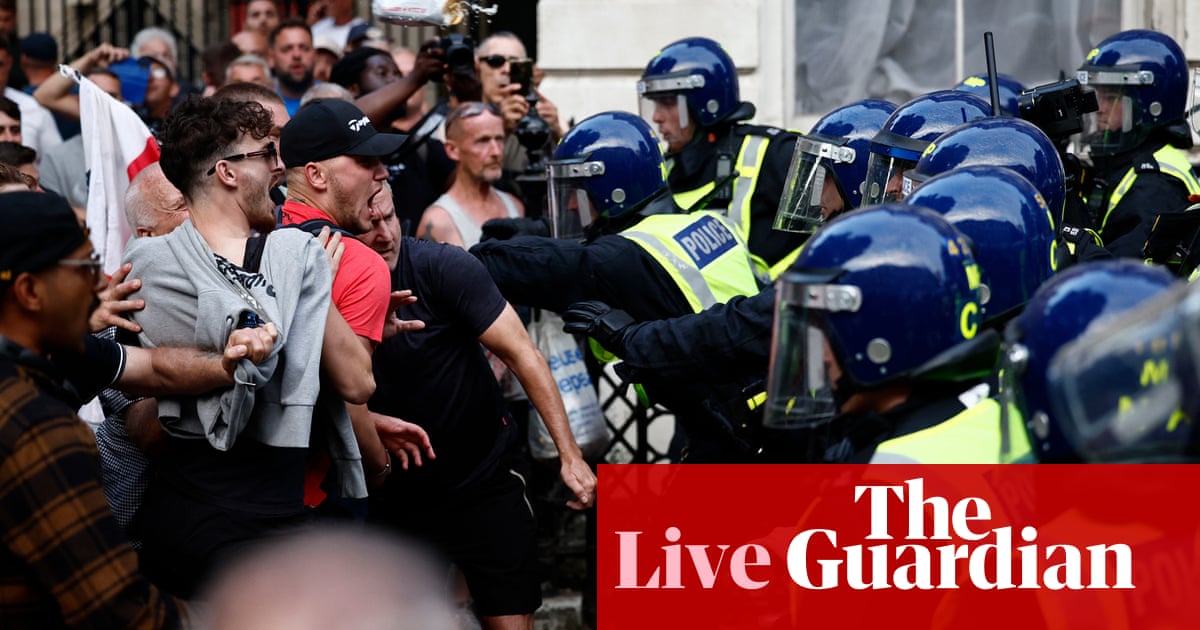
(63, 560)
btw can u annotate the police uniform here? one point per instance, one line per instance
(662, 265)
(957, 429)
(1127, 192)
(757, 158)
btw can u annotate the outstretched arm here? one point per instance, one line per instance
(190, 371)
(722, 341)
(507, 339)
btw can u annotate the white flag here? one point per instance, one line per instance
(117, 145)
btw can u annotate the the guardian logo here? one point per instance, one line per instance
(975, 555)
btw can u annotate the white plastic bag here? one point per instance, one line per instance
(574, 385)
(419, 12)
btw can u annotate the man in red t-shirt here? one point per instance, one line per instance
(331, 153)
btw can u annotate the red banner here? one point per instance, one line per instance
(1021, 546)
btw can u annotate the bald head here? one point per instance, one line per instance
(251, 43)
(332, 577)
(153, 206)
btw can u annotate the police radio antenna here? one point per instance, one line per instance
(989, 50)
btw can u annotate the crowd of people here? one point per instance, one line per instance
(321, 311)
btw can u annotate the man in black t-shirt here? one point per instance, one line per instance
(469, 502)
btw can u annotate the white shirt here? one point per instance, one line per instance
(38, 130)
(325, 27)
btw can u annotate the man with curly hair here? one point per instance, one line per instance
(233, 470)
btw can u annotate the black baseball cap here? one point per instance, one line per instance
(40, 47)
(327, 128)
(40, 228)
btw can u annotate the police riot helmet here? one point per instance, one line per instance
(699, 76)
(606, 166)
(1128, 389)
(835, 149)
(906, 134)
(886, 290)
(1009, 142)
(1059, 312)
(1008, 88)
(1140, 79)
(1006, 218)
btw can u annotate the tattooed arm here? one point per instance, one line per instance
(437, 226)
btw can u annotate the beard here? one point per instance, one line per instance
(349, 212)
(295, 85)
(260, 214)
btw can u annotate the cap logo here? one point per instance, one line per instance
(357, 125)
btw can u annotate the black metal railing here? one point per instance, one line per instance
(631, 422)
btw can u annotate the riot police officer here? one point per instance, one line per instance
(1023, 147)
(1128, 389)
(689, 91)
(907, 133)
(638, 252)
(727, 346)
(607, 186)
(1007, 220)
(1008, 142)
(1061, 311)
(1135, 139)
(845, 356)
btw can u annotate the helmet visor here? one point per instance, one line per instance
(885, 179)
(571, 206)
(667, 115)
(1015, 433)
(663, 103)
(1127, 390)
(1115, 125)
(803, 372)
(812, 194)
(1110, 128)
(1193, 110)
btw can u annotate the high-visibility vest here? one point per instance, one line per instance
(970, 437)
(748, 165)
(1171, 161)
(703, 254)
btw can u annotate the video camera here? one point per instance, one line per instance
(1057, 108)
(458, 50)
(458, 53)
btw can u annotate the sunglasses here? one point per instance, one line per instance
(92, 264)
(497, 61)
(475, 108)
(268, 151)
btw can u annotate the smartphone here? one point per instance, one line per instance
(521, 71)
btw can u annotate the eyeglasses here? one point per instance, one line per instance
(92, 263)
(497, 61)
(267, 152)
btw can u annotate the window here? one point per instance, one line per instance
(847, 50)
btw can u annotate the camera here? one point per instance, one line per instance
(1057, 108)
(458, 51)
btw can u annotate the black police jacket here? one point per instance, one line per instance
(724, 343)
(1153, 192)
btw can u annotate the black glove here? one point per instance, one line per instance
(600, 322)
(504, 229)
